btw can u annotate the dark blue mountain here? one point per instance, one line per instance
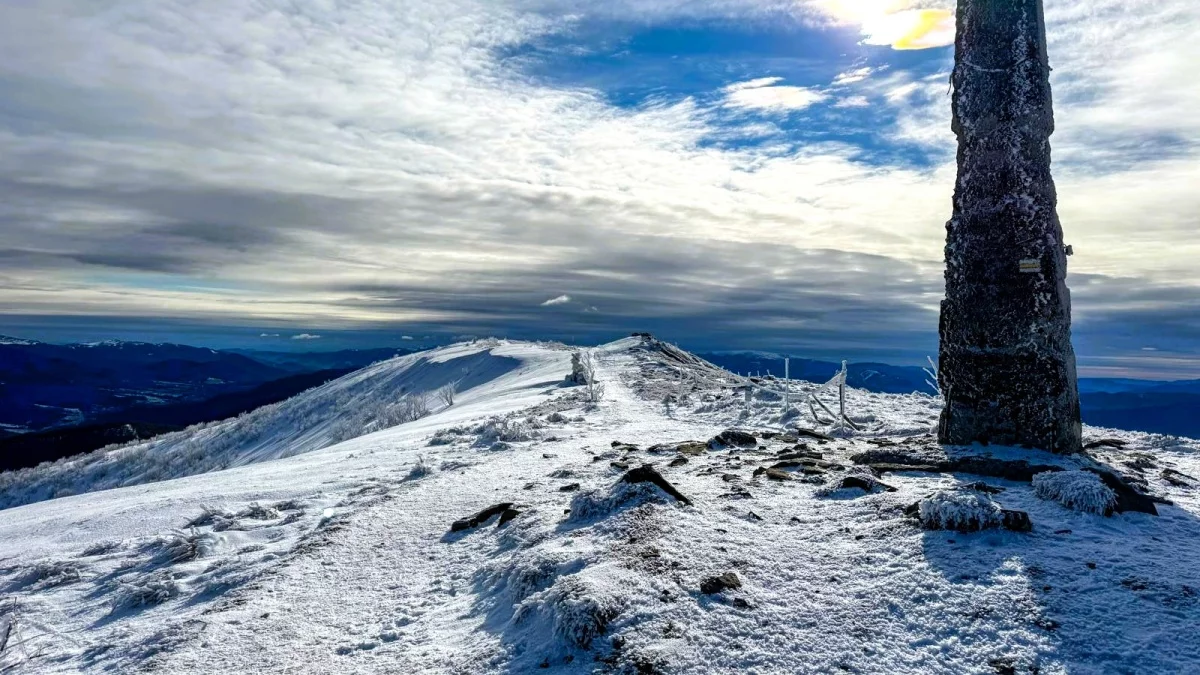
(46, 385)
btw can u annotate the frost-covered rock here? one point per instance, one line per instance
(575, 609)
(1078, 490)
(591, 504)
(961, 511)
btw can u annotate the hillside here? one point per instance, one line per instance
(311, 555)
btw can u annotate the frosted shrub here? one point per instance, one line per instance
(51, 573)
(218, 518)
(1078, 490)
(419, 470)
(503, 430)
(257, 511)
(152, 589)
(962, 511)
(183, 546)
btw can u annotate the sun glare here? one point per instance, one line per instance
(895, 23)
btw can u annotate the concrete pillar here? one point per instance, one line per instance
(1006, 367)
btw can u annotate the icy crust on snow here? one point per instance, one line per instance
(1079, 490)
(341, 559)
(959, 510)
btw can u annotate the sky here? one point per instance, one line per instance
(728, 174)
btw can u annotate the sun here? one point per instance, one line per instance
(895, 23)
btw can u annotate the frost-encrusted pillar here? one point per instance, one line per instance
(1007, 369)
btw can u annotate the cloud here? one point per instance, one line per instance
(306, 336)
(764, 94)
(852, 102)
(855, 75)
(202, 161)
(269, 335)
(560, 300)
(406, 337)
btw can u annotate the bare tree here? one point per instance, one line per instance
(446, 394)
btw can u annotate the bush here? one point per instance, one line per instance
(1078, 490)
(152, 589)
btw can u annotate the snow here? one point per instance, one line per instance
(304, 557)
(1079, 490)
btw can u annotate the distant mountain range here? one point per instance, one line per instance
(59, 400)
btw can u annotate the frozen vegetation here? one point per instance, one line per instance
(775, 544)
(1079, 490)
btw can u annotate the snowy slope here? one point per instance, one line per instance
(341, 560)
(341, 409)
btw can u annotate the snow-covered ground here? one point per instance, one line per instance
(303, 556)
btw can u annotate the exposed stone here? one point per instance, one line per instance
(881, 460)
(800, 454)
(678, 461)
(883, 467)
(1105, 443)
(776, 474)
(691, 448)
(980, 486)
(647, 474)
(725, 582)
(1007, 368)
(809, 433)
(865, 483)
(483, 516)
(732, 438)
(1128, 499)
(1178, 479)
(620, 466)
(570, 487)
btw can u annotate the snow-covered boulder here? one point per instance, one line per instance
(1079, 490)
(962, 511)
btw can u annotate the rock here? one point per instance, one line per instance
(809, 433)
(891, 459)
(776, 474)
(678, 461)
(570, 487)
(725, 582)
(980, 486)
(1178, 479)
(1017, 521)
(1128, 499)
(884, 467)
(483, 516)
(865, 483)
(732, 438)
(729, 477)
(621, 466)
(691, 448)
(977, 513)
(647, 474)
(800, 454)
(1105, 443)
